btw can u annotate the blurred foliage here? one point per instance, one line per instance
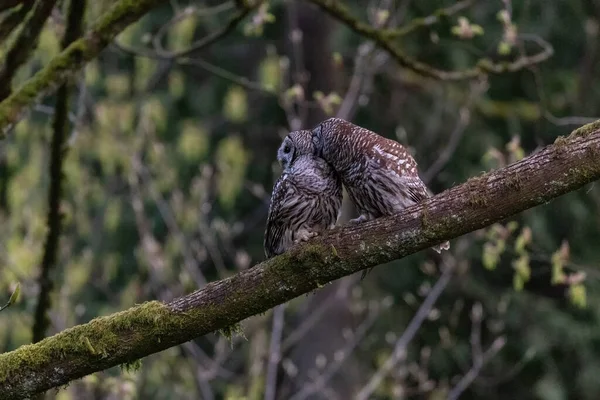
(170, 168)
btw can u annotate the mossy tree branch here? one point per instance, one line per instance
(60, 124)
(24, 44)
(386, 40)
(70, 60)
(567, 165)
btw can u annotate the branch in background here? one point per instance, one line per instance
(320, 382)
(464, 117)
(6, 4)
(60, 125)
(274, 351)
(14, 297)
(470, 376)
(385, 40)
(24, 44)
(12, 19)
(244, 10)
(408, 334)
(567, 165)
(72, 59)
(432, 19)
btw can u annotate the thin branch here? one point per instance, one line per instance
(187, 12)
(367, 63)
(242, 12)
(60, 126)
(124, 337)
(72, 59)
(297, 74)
(12, 19)
(24, 44)
(6, 4)
(14, 297)
(274, 351)
(432, 19)
(470, 376)
(464, 118)
(408, 334)
(384, 39)
(340, 357)
(224, 74)
(314, 317)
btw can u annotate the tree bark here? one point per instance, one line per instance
(567, 165)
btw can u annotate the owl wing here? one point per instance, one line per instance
(416, 188)
(394, 156)
(284, 200)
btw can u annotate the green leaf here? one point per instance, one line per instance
(232, 160)
(193, 142)
(14, 297)
(235, 107)
(577, 295)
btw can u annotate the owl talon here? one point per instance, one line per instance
(304, 235)
(359, 220)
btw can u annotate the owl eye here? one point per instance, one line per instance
(286, 149)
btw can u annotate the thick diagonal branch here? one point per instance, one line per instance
(565, 166)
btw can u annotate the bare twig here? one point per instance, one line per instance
(224, 74)
(60, 126)
(476, 319)
(14, 297)
(274, 352)
(464, 117)
(315, 316)
(183, 14)
(408, 334)
(242, 12)
(432, 19)
(168, 216)
(470, 376)
(340, 356)
(6, 4)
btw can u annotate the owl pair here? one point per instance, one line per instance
(380, 177)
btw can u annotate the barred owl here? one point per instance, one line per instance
(379, 174)
(306, 199)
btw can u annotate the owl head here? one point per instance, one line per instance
(295, 144)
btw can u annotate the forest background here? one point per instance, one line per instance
(168, 160)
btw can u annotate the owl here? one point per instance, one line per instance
(306, 199)
(379, 174)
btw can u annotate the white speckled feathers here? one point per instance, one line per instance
(380, 175)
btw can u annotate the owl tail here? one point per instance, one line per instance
(442, 246)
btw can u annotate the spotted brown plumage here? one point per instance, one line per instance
(306, 199)
(380, 175)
